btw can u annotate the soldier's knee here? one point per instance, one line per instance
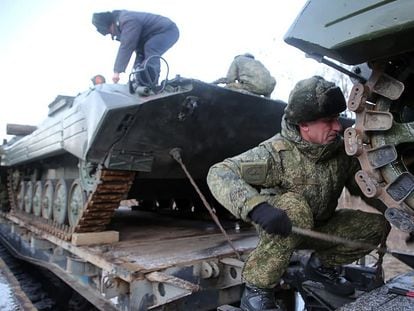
(296, 207)
(380, 224)
(375, 226)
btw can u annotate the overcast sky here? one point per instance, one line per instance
(50, 47)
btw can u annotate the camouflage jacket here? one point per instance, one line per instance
(285, 163)
(252, 73)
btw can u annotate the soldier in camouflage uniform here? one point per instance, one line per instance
(295, 178)
(250, 75)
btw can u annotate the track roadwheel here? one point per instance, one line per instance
(47, 199)
(87, 175)
(37, 198)
(20, 195)
(60, 202)
(28, 197)
(77, 200)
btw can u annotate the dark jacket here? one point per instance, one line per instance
(133, 30)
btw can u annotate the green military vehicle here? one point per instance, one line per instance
(98, 192)
(374, 39)
(64, 179)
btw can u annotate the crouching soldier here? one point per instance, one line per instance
(296, 178)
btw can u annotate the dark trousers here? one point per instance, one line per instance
(157, 45)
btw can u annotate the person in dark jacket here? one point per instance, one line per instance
(148, 35)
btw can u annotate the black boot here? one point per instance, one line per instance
(258, 299)
(330, 277)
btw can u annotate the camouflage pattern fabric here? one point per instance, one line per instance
(267, 263)
(242, 88)
(306, 181)
(246, 73)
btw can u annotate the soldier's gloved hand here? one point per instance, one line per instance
(272, 219)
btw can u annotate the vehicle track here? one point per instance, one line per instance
(89, 216)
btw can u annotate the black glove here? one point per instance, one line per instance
(272, 219)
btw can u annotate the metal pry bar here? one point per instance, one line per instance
(176, 154)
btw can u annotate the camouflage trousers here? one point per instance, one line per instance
(249, 88)
(266, 264)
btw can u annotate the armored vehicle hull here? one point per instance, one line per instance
(354, 32)
(374, 36)
(106, 145)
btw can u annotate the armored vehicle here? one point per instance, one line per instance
(108, 144)
(369, 41)
(374, 37)
(65, 179)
